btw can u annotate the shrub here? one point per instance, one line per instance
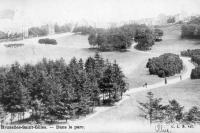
(145, 38)
(195, 74)
(14, 45)
(165, 65)
(47, 41)
(191, 30)
(190, 53)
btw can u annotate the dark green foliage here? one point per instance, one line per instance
(47, 41)
(191, 30)
(121, 38)
(92, 39)
(195, 74)
(145, 39)
(190, 53)
(193, 115)
(165, 65)
(173, 112)
(54, 90)
(114, 38)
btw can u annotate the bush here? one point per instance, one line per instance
(190, 53)
(196, 59)
(14, 45)
(191, 30)
(195, 74)
(165, 65)
(145, 38)
(47, 41)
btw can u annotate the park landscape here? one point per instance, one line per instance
(113, 104)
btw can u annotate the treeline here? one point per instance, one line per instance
(84, 30)
(195, 57)
(121, 38)
(165, 65)
(62, 28)
(171, 113)
(38, 31)
(54, 90)
(44, 29)
(10, 37)
(15, 45)
(47, 41)
(191, 29)
(145, 38)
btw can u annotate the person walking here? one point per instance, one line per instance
(180, 77)
(165, 80)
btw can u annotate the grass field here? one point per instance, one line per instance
(132, 63)
(186, 92)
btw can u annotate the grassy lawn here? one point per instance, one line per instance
(187, 93)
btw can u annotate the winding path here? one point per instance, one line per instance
(185, 75)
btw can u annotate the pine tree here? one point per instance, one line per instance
(90, 65)
(174, 111)
(152, 110)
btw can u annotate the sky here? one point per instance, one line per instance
(35, 12)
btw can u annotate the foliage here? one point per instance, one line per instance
(84, 30)
(165, 65)
(118, 38)
(15, 45)
(54, 90)
(47, 41)
(195, 74)
(38, 31)
(190, 52)
(173, 112)
(152, 110)
(145, 38)
(3, 35)
(62, 29)
(171, 20)
(191, 29)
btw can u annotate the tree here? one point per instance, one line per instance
(92, 40)
(174, 112)
(193, 115)
(152, 109)
(145, 39)
(171, 20)
(165, 65)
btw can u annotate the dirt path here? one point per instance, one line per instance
(103, 113)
